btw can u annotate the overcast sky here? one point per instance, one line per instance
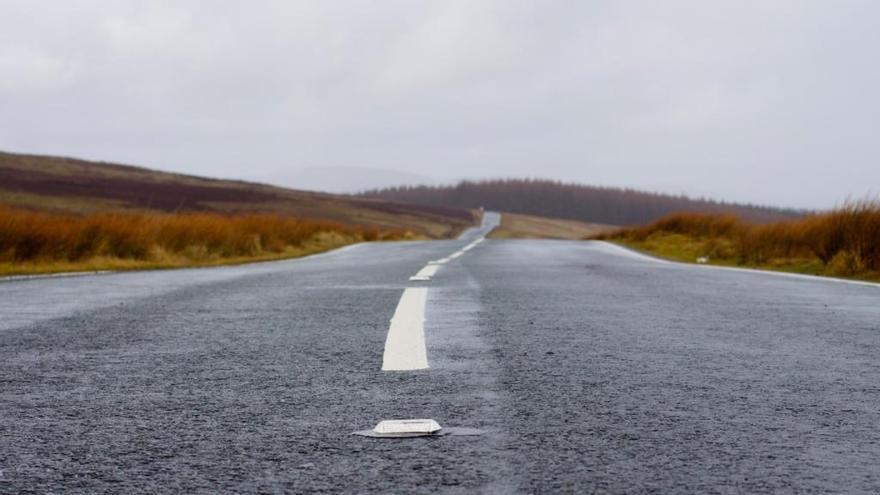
(765, 101)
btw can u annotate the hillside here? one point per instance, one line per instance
(602, 205)
(70, 185)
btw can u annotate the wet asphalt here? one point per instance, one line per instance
(589, 370)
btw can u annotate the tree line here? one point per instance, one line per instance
(607, 205)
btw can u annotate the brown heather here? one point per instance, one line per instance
(846, 240)
(159, 239)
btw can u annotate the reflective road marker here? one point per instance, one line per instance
(409, 428)
(406, 427)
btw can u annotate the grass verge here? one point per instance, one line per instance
(42, 243)
(843, 243)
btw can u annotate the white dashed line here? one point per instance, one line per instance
(431, 268)
(426, 273)
(812, 278)
(473, 244)
(405, 345)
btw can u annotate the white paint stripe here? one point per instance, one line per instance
(426, 273)
(629, 252)
(405, 345)
(812, 278)
(11, 278)
(472, 245)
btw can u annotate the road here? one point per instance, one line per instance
(589, 369)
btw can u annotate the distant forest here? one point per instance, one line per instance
(607, 205)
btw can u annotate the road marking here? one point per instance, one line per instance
(426, 273)
(405, 350)
(12, 278)
(629, 252)
(431, 268)
(401, 428)
(801, 276)
(405, 345)
(473, 244)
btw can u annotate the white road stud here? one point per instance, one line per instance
(406, 427)
(413, 428)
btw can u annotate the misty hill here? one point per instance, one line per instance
(344, 180)
(604, 205)
(80, 186)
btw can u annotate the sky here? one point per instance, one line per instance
(771, 102)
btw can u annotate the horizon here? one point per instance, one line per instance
(746, 102)
(452, 183)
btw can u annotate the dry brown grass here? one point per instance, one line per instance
(38, 242)
(842, 242)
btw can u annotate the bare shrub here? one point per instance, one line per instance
(27, 236)
(846, 240)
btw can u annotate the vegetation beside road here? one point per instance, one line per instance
(844, 242)
(40, 242)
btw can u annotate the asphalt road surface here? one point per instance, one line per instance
(589, 369)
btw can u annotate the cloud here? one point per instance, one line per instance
(27, 71)
(728, 99)
(454, 42)
(148, 32)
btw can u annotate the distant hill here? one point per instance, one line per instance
(72, 185)
(603, 205)
(344, 180)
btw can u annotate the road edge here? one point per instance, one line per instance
(802, 276)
